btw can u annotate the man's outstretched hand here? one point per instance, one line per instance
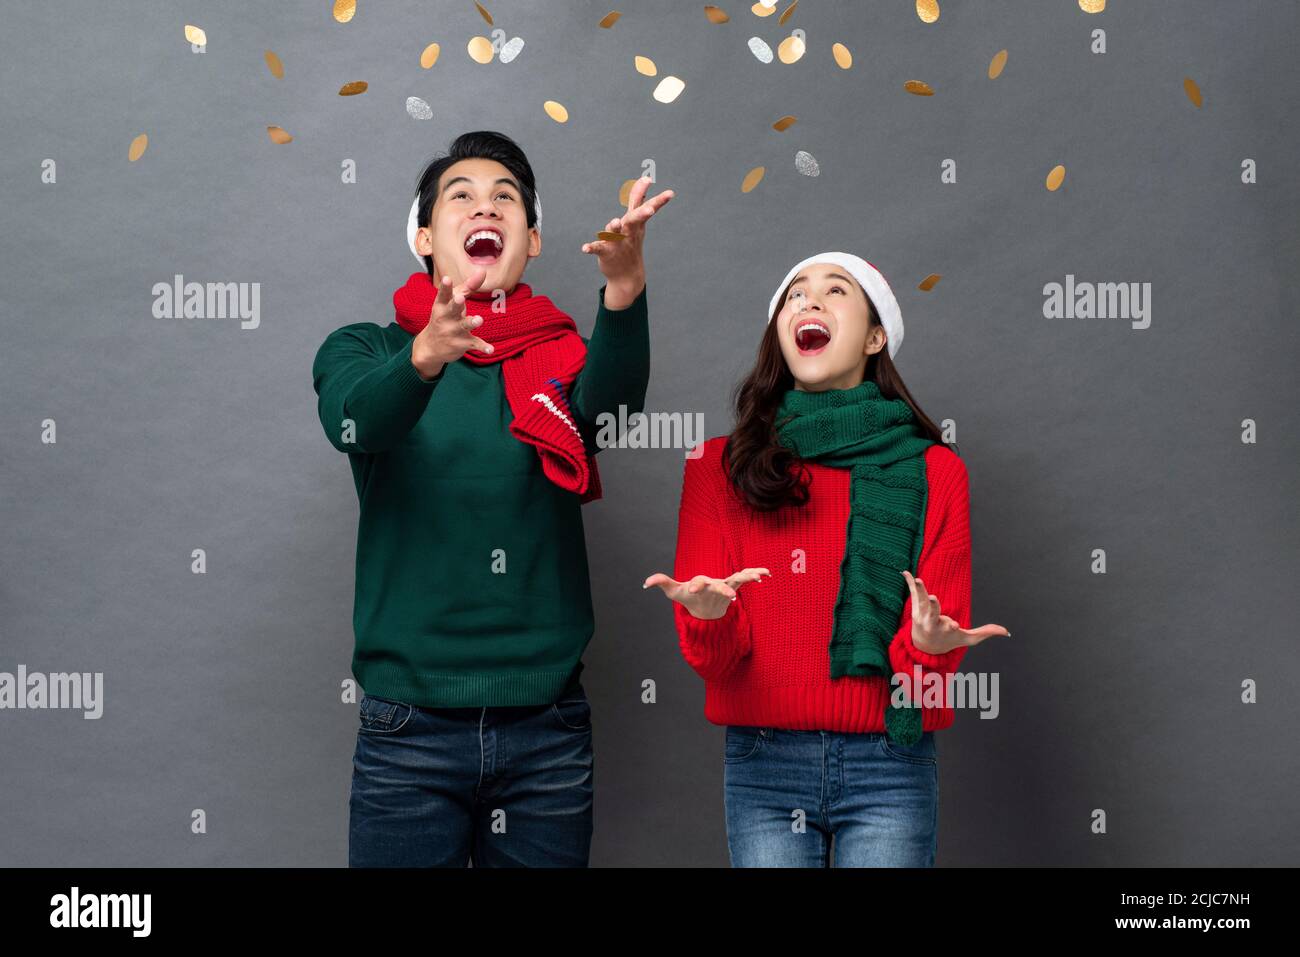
(620, 259)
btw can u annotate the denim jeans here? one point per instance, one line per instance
(495, 787)
(787, 793)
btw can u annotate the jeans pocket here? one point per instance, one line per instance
(923, 752)
(572, 712)
(743, 742)
(383, 715)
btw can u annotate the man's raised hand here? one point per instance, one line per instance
(447, 337)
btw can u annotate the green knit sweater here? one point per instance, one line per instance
(449, 499)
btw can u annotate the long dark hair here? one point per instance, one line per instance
(762, 471)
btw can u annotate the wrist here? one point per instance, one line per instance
(427, 367)
(621, 293)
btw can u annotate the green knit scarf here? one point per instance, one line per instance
(880, 441)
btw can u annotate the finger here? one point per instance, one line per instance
(697, 584)
(473, 281)
(985, 631)
(481, 345)
(445, 290)
(722, 588)
(637, 194)
(600, 248)
(648, 209)
(660, 579)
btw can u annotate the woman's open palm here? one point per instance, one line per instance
(704, 597)
(936, 633)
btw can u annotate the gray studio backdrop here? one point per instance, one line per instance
(1119, 692)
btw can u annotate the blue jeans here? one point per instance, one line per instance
(788, 792)
(495, 787)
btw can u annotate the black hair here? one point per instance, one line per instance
(481, 144)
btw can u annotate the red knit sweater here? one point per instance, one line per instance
(766, 662)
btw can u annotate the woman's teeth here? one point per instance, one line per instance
(811, 337)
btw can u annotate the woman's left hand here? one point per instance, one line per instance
(620, 259)
(937, 634)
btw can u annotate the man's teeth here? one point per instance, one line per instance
(483, 234)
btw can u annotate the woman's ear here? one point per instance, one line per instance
(875, 341)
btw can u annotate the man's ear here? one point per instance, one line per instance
(534, 242)
(424, 241)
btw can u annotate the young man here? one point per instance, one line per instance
(470, 426)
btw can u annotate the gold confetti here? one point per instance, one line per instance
(928, 282)
(274, 65)
(783, 124)
(196, 35)
(843, 58)
(1055, 178)
(927, 10)
(353, 88)
(790, 50)
(486, 16)
(669, 88)
(480, 50)
(610, 237)
(625, 192)
(646, 66)
(1192, 90)
(997, 63)
(1092, 6)
(430, 55)
(344, 10)
(138, 146)
(715, 14)
(919, 87)
(763, 10)
(609, 19)
(278, 135)
(788, 10)
(556, 111)
(752, 178)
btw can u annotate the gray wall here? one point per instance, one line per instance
(1119, 691)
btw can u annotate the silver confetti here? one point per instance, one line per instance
(806, 164)
(760, 49)
(418, 109)
(511, 50)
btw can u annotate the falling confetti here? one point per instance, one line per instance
(510, 49)
(1092, 6)
(195, 35)
(274, 65)
(805, 163)
(486, 16)
(927, 10)
(790, 50)
(610, 237)
(609, 19)
(430, 55)
(138, 146)
(556, 111)
(1192, 90)
(418, 108)
(918, 87)
(480, 50)
(1055, 178)
(353, 88)
(278, 135)
(752, 178)
(843, 58)
(786, 14)
(761, 51)
(344, 10)
(716, 14)
(669, 88)
(783, 124)
(928, 282)
(763, 9)
(997, 63)
(625, 192)
(646, 66)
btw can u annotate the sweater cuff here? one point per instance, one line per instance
(406, 377)
(713, 638)
(620, 324)
(903, 654)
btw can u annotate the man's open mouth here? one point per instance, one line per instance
(811, 336)
(483, 246)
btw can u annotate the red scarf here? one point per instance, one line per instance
(545, 355)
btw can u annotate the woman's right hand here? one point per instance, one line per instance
(704, 597)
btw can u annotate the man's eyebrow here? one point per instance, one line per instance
(833, 275)
(465, 179)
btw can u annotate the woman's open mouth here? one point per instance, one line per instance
(811, 336)
(483, 246)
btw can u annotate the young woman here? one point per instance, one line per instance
(832, 487)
